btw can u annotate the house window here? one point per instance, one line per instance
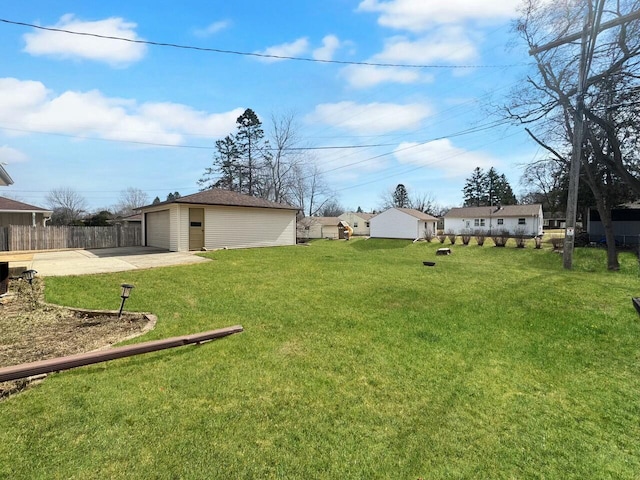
(478, 222)
(501, 221)
(355, 224)
(366, 224)
(196, 224)
(522, 221)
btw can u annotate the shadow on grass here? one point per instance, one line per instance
(379, 244)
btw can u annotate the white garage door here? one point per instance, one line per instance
(157, 227)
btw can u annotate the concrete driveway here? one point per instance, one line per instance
(103, 260)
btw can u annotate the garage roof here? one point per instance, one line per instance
(218, 196)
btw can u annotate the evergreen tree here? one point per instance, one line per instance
(490, 188)
(226, 167)
(475, 189)
(401, 197)
(156, 200)
(252, 151)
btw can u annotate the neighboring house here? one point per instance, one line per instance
(218, 218)
(358, 221)
(321, 227)
(402, 223)
(554, 220)
(527, 219)
(13, 212)
(5, 179)
(626, 225)
(134, 219)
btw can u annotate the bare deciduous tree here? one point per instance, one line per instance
(67, 205)
(130, 200)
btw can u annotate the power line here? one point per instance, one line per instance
(248, 54)
(199, 147)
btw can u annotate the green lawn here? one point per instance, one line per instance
(356, 362)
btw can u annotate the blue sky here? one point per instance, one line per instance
(76, 111)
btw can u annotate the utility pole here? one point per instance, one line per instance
(588, 37)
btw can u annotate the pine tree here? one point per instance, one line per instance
(475, 189)
(400, 197)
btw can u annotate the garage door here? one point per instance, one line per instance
(157, 228)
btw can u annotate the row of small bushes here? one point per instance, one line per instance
(500, 238)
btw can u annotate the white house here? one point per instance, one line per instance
(358, 221)
(527, 219)
(321, 227)
(402, 223)
(216, 219)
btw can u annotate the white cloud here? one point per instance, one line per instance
(293, 49)
(28, 105)
(11, 155)
(372, 118)
(68, 46)
(366, 76)
(330, 44)
(446, 45)
(212, 29)
(418, 15)
(444, 156)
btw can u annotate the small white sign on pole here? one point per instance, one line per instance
(570, 231)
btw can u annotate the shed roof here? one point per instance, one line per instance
(218, 196)
(505, 211)
(418, 214)
(328, 221)
(9, 205)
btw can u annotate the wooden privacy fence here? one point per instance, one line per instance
(20, 237)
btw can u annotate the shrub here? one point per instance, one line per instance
(442, 238)
(428, 235)
(557, 242)
(480, 237)
(538, 241)
(466, 237)
(500, 239)
(520, 237)
(452, 237)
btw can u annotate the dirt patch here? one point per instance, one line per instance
(31, 330)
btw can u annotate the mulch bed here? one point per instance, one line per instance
(31, 330)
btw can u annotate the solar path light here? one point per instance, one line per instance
(126, 291)
(29, 275)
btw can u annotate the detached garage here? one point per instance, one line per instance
(217, 219)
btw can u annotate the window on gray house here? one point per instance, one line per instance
(522, 221)
(501, 221)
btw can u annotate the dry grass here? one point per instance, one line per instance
(31, 330)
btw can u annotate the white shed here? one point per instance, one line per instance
(321, 227)
(512, 218)
(218, 218)
(402, 223)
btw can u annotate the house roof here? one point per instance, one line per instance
(9, 205)
(5, 179)
(505, 211)
(417, 213)
(362, 215)
(328, 221)
(218, 196)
